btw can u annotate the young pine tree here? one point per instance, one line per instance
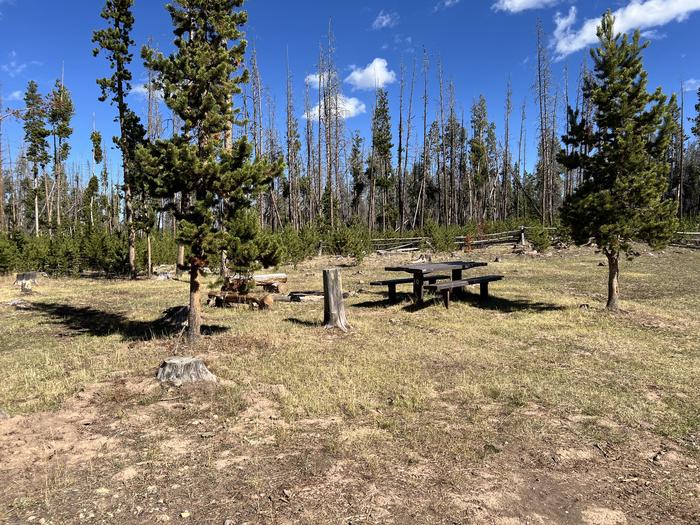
(198, 80)
(380, 168)
(35, 134)
(116, 41)
(625, 168)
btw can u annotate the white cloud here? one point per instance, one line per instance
(516, 6)
(445, 4)
(6, 2)
(692, 84)
(13, 68)
(653, 34)
(141, 91)
(15, 96)
(348, 107)
(376, 75)
(385, 20)
(637, 14)
(313, 78)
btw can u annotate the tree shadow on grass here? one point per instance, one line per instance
(502, 304)
(303, 322)
(400, 298)
(91, 321)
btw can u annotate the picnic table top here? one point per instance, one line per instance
(425, 268)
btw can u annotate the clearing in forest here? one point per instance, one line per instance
(525, 409)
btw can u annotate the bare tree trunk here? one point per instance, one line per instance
(194, 320)
(333, 307)
(424, 182)
(613, 256)
(542, 94)
(2, 178)
(520, 189)
(36, 202)
(131, 230)
(442, 174)
(681, 160)
(149, 254)
(179, 267)
(506, 154)
(399, 171)
(408, 138)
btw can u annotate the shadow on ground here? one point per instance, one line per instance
(91, 321)
(303, 322)
(500, 304)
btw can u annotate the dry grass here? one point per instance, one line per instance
(420, 404)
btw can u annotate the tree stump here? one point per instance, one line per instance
(180, 370)
(333, 306)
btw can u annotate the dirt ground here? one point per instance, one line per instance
(527, 409)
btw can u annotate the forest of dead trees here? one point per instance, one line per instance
(431, 163)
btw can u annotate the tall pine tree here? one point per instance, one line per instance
(116, 42)
(622, 154)
(60, 113)
(35, 135)
(217, 184)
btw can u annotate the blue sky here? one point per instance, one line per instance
(481, 44)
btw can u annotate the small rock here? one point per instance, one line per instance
(207, 434)
(163, 518)
(185, 514)
(102, 491)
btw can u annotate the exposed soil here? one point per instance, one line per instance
(127, 451)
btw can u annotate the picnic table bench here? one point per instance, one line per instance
(446, 288)
(392, 283)
(422, 272)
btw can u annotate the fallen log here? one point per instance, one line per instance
(220, 299)
(276, 288)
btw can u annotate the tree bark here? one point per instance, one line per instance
(180, 370)
(194, 319)
(613, 278)
(149, 253)
(333, 306)
(131, 230)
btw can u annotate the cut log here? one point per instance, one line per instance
(180, 370)
(280, 287)
(270, 278)
(306, 297)
(333, 305)
(264, 302)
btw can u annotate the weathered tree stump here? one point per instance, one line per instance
(333, 306)
(180, 370)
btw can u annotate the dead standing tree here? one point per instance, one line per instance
(333, 306)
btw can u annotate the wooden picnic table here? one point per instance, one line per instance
(422, 271)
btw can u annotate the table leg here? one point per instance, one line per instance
(418, 288)
(457, 276)
(484, 290)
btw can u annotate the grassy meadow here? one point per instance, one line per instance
(537, 406)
